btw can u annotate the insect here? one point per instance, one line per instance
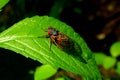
(61, 40)
(64, 42)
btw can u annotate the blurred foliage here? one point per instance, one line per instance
(97, 21)
(115, 49)
(3, 3)
(118, 67)
(78, 60)
(44, 72)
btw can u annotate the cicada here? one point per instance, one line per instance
(64, 42)
(61, 40)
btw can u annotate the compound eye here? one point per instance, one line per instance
(49, 32)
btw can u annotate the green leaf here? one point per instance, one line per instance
(115, 49)
(23, 38)
(118, 67)
(43, 72)
(3, 3)
(60, 78)
(99, 57)
(109, 62)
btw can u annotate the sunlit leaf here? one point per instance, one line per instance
(115, 49)
(118, 67)
(99, 57)
(23, 38)
(60, 78)
(43, 72)
(3, 3)
(109, 62)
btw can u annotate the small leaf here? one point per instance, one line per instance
(60, 78)
(109, 62)
(43, 72)
(115, 49)
(118, 67)
(3, 3)
(99, 57)
(23, 38)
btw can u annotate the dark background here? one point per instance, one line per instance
(90, 18)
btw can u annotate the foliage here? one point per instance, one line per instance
(3, 3)
(115, 49)
(43, 72)
(118, 67)
(23, 38)
(107, 61)
(96, 21)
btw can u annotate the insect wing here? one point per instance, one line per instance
(63, 42)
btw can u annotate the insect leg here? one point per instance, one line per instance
(44, 36)
(50, 44)
(53, 41)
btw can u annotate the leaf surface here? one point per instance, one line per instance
(3, 3)
(43, 72)
(23, 38)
